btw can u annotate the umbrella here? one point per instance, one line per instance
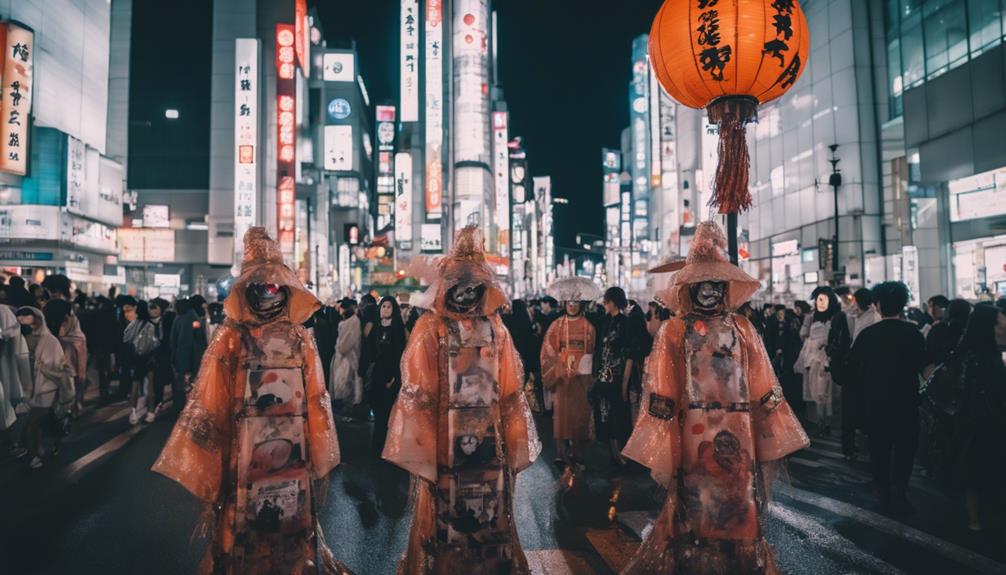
(574, 289)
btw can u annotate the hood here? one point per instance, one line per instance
(263, 263)
(708, 262)
(467, 262)
(38, 327)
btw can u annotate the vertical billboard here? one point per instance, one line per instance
(471, 81)
(434, 110)
(543, 195)
(403, 200)
(18, 58)
(385, 116)
(501, 171)
(669, 170)
(639, 118)
(286, 141)
(246, 57)
(409, 66)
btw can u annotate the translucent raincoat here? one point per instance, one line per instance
(566, 367)
(712, 414)
(257, 431)
(462, 427)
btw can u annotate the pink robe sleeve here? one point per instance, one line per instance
(412, 428)
(778, 432)
(197, 449)
(656, 438)
(323, 442)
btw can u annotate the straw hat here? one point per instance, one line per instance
(708, 262)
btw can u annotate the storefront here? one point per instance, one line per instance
(977, 213)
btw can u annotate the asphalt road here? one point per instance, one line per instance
(97, 508)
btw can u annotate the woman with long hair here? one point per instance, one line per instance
(822, 359)
(140, 341)
(981, 422)
(384, 348)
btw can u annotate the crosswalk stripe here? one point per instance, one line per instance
(955, 553)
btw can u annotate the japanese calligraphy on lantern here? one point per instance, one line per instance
(778, 46)
(714, 53)
(409, 71)
(246, 56)
(286, 148)
(16, 91)
(434, 109)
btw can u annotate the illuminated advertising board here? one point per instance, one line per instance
(403, 200)
(338, 67)
(501, 172)
(434, 110)
(471, 87)
(302, 41)
(640, 123)
(409, 66)
(339, 148)
(246, 57)
(286, 155)
(385, 120)
(18, 44)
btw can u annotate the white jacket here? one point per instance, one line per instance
(345, 381)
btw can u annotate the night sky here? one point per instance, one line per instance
(565, 71)
(564, 68)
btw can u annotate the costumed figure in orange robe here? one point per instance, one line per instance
(257, 432)
(461, 424)
(566, 370)
(713, 423)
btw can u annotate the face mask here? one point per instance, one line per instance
(707, 296)
(267, 300)
(465, 297)
(26, 330)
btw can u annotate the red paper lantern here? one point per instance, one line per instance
(728, 56)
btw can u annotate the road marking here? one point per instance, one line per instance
(830, 540)
(110, 446)
(955, 553)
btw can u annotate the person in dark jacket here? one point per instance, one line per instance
(782, 342)
(518, 323)
(326, 330)
(163, 319)
(887, 359)
(981, 422)
(613, 364)
(385, 346)
(946, 333)
(188, 343)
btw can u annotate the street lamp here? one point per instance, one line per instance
(835, 181)
(171, 114)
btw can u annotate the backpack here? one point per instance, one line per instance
(145, 341)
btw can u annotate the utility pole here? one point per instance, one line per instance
(835, 181)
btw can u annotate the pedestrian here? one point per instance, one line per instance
(346, 382)
(17, 293)
(864, 313)
(937, 308)
(385, 345)
(162, 372)
(888, 358)
(612, 370)
(518, 322)
(69, 333)
(104, 336)
(981, 422)
(567, 366)
(140, 339)
(51, 392)
(782, 342)
(15, 378)
(214, 319)
(188, 344)
(824, 353)
(946, 334)
(326, 330)
(461, 425)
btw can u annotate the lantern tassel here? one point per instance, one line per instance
(732, 195)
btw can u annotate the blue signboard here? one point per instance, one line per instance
(339, 109)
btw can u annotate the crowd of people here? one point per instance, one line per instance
(922, 385)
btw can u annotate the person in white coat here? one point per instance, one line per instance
(346, 382)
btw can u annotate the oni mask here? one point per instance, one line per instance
(708, 296)
(465, 297)
(267, 300)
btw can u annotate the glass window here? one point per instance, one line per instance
(912, 55)
(910, 8)
(946, 38)
(892, 17)
(895, 82)
(985, 24)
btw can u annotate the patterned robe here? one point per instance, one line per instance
(257, 430)
(568, 341)
(712, 411)
(462, 427)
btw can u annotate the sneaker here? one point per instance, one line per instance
(36, 462)
(18, 452)
(151, 416)
(134, 417)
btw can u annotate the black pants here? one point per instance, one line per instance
(894, 439)
(163, 376)
(852, 415)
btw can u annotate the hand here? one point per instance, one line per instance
(390, 384)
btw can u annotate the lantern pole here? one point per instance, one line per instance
(732, 237)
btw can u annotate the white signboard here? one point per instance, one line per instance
(410, 61)
(246, 151)
(471, 98)
(501, 171)
(75, 174)
(80, 232)
(403, 199)
(338, 67)
(431, 238)
(339, 148)
(16, 92)
(910, 272)
(20, 222)
(434, 109)
(156, 216)
(146, 245)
